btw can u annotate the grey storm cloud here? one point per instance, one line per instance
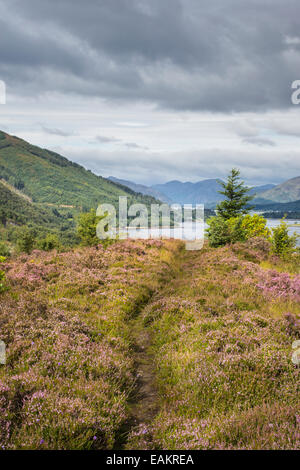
(225, 55)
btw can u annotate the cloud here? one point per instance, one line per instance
(108, 140)
(177, 54)
(259, 141)
(258, 166)
(59, 132)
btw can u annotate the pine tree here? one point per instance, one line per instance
(237, 199)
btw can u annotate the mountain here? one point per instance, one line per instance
(279, 206)
(285, 192)
(202, 192)
(140, 188)
(49, 178)
(261, 189)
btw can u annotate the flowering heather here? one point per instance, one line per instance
(214, 330)
(64, 320)
(223, 349)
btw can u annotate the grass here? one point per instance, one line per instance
(220, 323)
(65, 321)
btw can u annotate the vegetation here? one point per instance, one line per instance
(282, 242)
(236, 197)
(221, 323)
(47, 177)
(2, 276)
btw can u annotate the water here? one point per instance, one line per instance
(195, 230)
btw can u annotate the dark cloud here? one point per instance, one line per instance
(224, 55)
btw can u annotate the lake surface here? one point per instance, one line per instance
(195, 231)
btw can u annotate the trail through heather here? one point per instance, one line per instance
(144, 403)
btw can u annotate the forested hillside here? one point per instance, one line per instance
(47, 177)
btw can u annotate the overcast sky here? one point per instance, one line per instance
(154, 90)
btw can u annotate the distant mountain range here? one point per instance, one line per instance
(140, 188)
(202, 192)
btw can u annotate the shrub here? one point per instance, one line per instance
(236, 229)
(50, 242)
(4, 250)
(218, 231)
(26, 241)
(255, 226)
(2, 276)
(282, 242)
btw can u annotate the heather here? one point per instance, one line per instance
(144, 345)
(222, 337)
(65, 319)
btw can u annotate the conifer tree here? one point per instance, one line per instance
(237, 199)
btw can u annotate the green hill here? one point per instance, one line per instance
(47, 177)
(288, 191)
(17, 210)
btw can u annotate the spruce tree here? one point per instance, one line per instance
(237, 199)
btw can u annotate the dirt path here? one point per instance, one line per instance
(144, 401)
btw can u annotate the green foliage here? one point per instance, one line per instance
(235, 192)
(282, 242)
(2, 276)
(4, 250)
(218, 233)
(255, 226)
(87, 226)
(236, 229)
(26, 240)
(47, 177)
(50, 242)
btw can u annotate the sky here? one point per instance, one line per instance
(156, 90)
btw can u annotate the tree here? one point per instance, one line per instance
(26, 241)
(87, 228)
(235, 192)
(282, 242)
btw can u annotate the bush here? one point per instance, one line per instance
(4, 250)
(255, 226)
(26, 241)
(50, 242)
(282, 242)
(218, 233)
(2, 276)
(236, 229)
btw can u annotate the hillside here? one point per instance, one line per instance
(47, 177)
(17, 210)
(285, 192)
(277, 206)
